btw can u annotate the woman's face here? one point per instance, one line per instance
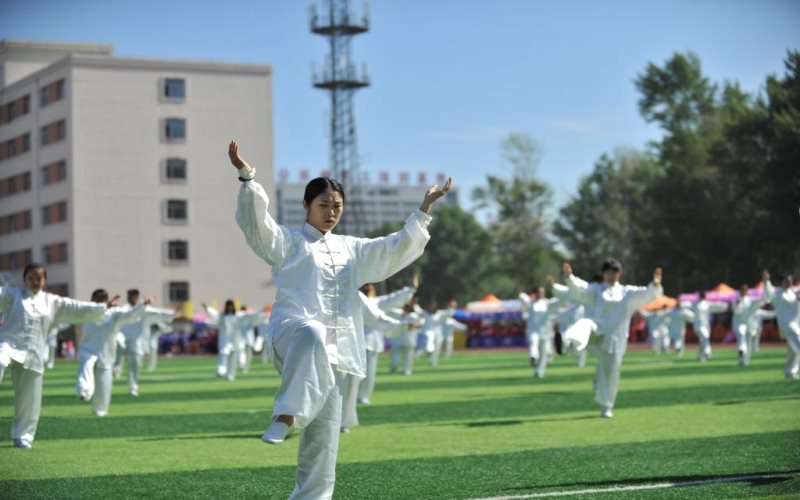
(35, 280)
(611, 276)
(325, 210)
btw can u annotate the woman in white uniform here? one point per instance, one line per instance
(787, 310)
(609, 307)
(316, 330)
(231, 326)
(744, 311)
(28, 314)
(540, 315)
(97, 349)
(703, 309)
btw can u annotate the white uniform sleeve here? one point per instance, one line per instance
(640, 296)
(379, 258)
(524, 299)
(561, 291)
(373, 314)
(717, 307)
(395, 299)
(580, 291)
(212, 313)
(122, 317)
(76, 312)
(156, 315)
(268, 240)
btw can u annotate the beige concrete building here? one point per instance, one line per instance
(114, 171)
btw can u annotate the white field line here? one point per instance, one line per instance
(642, 487)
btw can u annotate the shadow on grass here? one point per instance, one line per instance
(470, 476)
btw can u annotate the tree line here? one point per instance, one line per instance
(716, 198)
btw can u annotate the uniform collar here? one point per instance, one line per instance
(314, 233)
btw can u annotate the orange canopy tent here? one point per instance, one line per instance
(723, 289)
(660, 303)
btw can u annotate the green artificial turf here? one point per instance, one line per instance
(479, 425)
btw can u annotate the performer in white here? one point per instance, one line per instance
(702, 310)
(540, 317)
(676, 322)
(567, 316)
(231, 326)
(658, 327)
(374, 319)
(316, 329)
(744, 311)
(404, 340)
(156, 329)
(97, 350)
(431, 336)
(262, 340)
(787, 310)
(28, 314)
(375, 335)
(449, 327)
(137, 337)
(609, 307)
(52, 344)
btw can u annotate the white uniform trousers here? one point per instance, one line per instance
(367, 386)
(576, 337)
(791, 333)
(310, 391)
(448, 346)
(27, 400)
(581, 355)
(742, 343)
(349, 391)
(94, 383)
(153, 356)
(704, 344)
(134, 362)
(606, 378)
(438, 342)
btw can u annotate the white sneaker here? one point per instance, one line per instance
(277, 432)
(363, 401)
(607, 413)
(100, 413)
(134, 392)
(22, 443)
(344, 430)
(792, 376)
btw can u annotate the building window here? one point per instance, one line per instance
(16, 146)
(54, 132)
(16, 184)
(52, 93)
(178, 291)
(54, 172)
(15, 260)
(175, 169)
(14, 109)
(175, 129)
(178, 251)
(55, 254)
(177, 210)
(14, 223)
(174, 89)
(54, 213)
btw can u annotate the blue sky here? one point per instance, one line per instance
(450, 78)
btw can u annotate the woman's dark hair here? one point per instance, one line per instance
(319, 185)
(612, 265)
(230, 307)
(32, 266)
(99, 295)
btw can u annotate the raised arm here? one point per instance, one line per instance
(212, 312)
(379, 258)
(267, 239)
(374, 315)
(579, 290)
(641, 296)
(121, 317)
(395, 299)
(75, 312)
(158, 315)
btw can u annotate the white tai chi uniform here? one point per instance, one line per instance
(156, 330)
(657, 326)
(96, 356)
(608, 314)
(230, 329)
(52, 344)
(374, 319)
(756, 326)
(567, 316)
(26, 323)
(431, 335)
(316, 329)
(744, 312)
(137, 340)
(676, 323)
(540, 315)
(787, 310)
(404, 342)
(263, 338)
(449, 326)
(703, 309)
(375, 337)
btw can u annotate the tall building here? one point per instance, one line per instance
(382, 203)
(114, 171)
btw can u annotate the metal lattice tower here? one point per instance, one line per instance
(339, 77)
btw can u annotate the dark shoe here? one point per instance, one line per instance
(559, 342)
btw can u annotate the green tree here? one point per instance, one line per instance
(524, 253)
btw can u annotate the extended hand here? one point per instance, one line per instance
(236, 159)
(113, 301)
(657, 276)
(566, 269)
(433, 194)
(765, 275)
